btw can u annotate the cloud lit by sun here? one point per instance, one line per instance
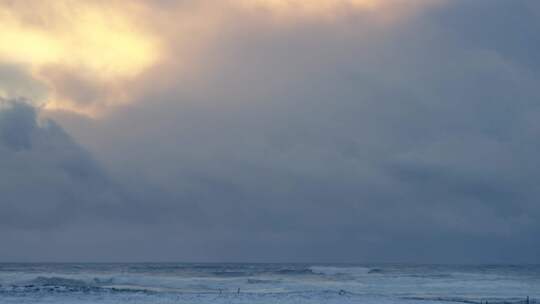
(381, 10)
(316, 7)
(75, 33)
(89, 53)
(87, 37)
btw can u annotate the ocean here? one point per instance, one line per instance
(267, 283)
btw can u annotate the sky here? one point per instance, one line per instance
(351, 131)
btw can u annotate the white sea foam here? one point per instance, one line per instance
(337, 270)
(253, 283)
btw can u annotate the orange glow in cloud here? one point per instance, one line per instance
(76, 34)
(313, 7)
(91, 53)
(381, 10)
(83, 36)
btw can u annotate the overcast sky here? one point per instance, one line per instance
(270, 131)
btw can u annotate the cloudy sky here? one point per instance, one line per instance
(270, 130)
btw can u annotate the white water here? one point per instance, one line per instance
(265, 283)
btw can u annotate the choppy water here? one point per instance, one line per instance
(266, 283)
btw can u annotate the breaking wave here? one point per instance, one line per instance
(267, 283)
(57, 281)
(352, 271)
(470, 300)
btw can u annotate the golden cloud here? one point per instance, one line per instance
(311, 8)
(101, 42)
(90, 53)
(78, 35)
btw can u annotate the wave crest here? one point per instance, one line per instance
(336, 270)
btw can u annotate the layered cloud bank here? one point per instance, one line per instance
(280, 131)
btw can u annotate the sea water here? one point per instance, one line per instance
(267, 283)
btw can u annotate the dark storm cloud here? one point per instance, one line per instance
(52, 191)
(47, 179)
(330, 142)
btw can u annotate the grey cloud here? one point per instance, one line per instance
(334, 142)
(47, 178)
(16, 82)
(50, 182)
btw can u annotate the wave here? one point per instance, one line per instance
(57, 281)
(233, 274)
(261, 281)
(294, 271)
(437, 284)
(51, 284)
(469, 300)
(63, 285)
(336, 270)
